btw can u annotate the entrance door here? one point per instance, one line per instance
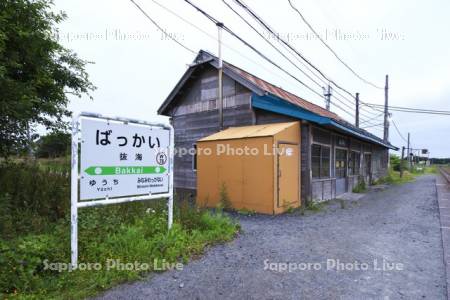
(368, 168)
(341, 171)
(288, 175)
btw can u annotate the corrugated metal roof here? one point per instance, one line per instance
(264, 88)
(248, 131)
(277, 91)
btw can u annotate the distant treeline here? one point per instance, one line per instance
(440, 161)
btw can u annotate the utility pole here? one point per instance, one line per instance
(327, 94)
(401, 162)
(386, 111)
(357, 110)
(409, 152)
(220, 79)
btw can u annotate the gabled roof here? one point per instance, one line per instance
(270, 97)
(253, 83)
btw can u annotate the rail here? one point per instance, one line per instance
(445, 171)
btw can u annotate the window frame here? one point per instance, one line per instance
(321, 158)
(336, 149)
(194, 158)
(355, 165)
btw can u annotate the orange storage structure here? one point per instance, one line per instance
(257, 167)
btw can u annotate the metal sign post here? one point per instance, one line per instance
(121, 160)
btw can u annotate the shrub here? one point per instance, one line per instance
(224, 199)
(315, 206)
(360, 187)
(127, 232)
(32, 196)
(35, 226)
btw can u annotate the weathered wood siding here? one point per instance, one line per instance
(325, 189)
(195, 116)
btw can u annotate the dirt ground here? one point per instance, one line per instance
(386, 245)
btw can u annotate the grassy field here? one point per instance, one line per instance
(35, 236)
(393, 177)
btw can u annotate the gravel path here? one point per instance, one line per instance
(398, 226)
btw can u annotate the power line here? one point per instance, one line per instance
(374, 125)
(329, 48)
(280, 52)
(264, 24)
(293, 49)
(161, 29)
(413, 110)
(215, 21)
(353, 107)
(270, 43)
(240, 39)
(215, 38)
(373, 118)
(398, 131)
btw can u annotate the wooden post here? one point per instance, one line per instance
(220, 75)
(357, 110)
(327, 94)
(386, 111)
(401, 162)
(409, 152)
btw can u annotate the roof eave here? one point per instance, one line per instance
(275, 104)
(162, 110)
(203, 58)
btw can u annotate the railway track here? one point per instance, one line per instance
(445, 171)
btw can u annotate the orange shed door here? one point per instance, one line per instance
(288, 175)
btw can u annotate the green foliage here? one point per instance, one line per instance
(360, 187)
(393, 177)
(396, 162)
(224, 198)
(36, 72)
(35, 231)
(246, 212)
(315, 206)
(34, 193)
(54, 144)
(440, 161)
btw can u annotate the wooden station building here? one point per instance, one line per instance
(334, 155)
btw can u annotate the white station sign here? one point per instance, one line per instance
(123, 159)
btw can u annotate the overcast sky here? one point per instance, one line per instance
(135, 66)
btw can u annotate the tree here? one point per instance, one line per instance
(36, 72)
(396, 161)
(54, 144)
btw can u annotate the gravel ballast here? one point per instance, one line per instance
(393, 235)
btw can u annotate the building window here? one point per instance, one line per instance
(341, 163)
(194, 158)
(354, 163)
(320, 161)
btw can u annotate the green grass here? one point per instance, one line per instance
(393, 177)
(360, 187)
(135, 232)
(315, 206)
(246, 212)
(35, 231)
